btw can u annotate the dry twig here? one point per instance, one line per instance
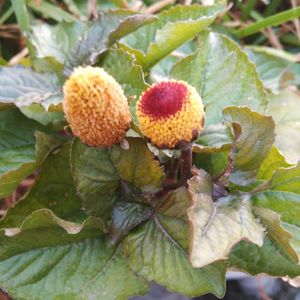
(16, 59)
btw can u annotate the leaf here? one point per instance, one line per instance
(295, 232)
(96, 178)
(161, 70)
(126, 216)
(174, 26)
(255, 136)
(176, 204)
(48, 64)
(267, 259)
(284, 109)
(272, 66)
(214, 138)
(53, 190)
(22, 86)
(19, 153)
(213, 163)
(53, 264)
(287, 179)
(272, 162)
(154, 254)
(137, 165)
(49, 10)
(37, 112)
(83, 9)
(276, 231)
(55, 41)
(217, 227)
(285, 203)
(275, 257)
(223, 75)
(131, 76)
(102, 33)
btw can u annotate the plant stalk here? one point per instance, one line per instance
(186, 163)
(274, 20)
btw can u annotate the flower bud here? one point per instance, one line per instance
(170, 112)
(95, 107)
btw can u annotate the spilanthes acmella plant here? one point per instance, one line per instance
(148, 166)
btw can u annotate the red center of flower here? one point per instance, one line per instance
(164, 99)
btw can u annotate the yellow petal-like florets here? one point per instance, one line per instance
(95, 107)
(170, 112)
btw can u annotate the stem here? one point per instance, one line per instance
(186, 163)
(268, 22)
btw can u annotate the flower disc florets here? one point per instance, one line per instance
(95, 107)
(170, 112)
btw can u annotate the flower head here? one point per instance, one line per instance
(95, 107)
(170, 112)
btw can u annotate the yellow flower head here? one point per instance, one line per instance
(170, 112)
(95, 107)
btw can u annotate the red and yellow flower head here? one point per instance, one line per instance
(95, 107)
(170, 112)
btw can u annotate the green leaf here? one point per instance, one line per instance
(131, 78)
(63, 260)
(49, 10)
(171, 212)
(21, 13)
(213, 163)
(53, 190)
(22, 86)
(217, 227)
(276, 19)
(176, 204)
(272, 66)
(122, 66)
(83, 9)
(55, 41)
(267, 259)
(137, 165)
(37, 112)
(96, 178)
(214, 138)
(276, 232)
(157, 250)
(102, 33)
(154, 254)
(126, 216)
(162, 69)
(284, 109)
(174, 27)
(272, 162)
(223, 75)
(287, 179)
(295, 231)
(59, 232)
(48, 64)
(19, 154)
(255, 136)
(285, 203)
(275, 257)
